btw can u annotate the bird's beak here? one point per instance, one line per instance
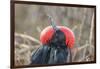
(52, 23)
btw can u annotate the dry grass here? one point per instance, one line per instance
(24, 46)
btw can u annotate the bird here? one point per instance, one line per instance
(57, 42)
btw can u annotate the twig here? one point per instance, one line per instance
(82, 24)
(29, 37)
(76, 50)
(82, 47)
(82, 59)
(91, 32)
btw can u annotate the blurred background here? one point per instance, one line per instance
(30, 20)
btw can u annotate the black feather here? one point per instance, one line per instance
(54, 52)
(40, 56)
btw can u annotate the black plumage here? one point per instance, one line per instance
(54, 52)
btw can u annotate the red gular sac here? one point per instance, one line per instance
(56, 44)
(47, 34)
